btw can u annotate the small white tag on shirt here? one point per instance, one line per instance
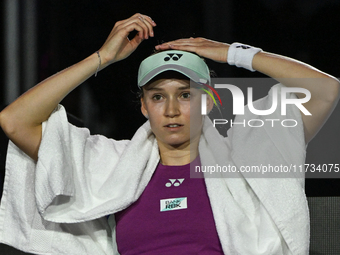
(171, 204)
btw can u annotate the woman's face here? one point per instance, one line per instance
(168, 103)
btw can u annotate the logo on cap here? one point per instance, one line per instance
(173, 56)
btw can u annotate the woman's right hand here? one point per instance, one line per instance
(118, 46)
(22, 119)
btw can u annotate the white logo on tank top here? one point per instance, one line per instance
(174, 182)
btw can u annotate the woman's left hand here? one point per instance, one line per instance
(213, 50)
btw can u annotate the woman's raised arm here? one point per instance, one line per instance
(22, 119)
(323, 87)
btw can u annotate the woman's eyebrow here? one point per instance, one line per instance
(155, 89)
(184, 88)
(161, 89)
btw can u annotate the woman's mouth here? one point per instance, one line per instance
(173, 126)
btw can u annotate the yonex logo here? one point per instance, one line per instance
(243, 47)
(173, 56)
(174, 182)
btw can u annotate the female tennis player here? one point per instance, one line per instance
(57, 199)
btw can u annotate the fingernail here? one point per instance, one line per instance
(152, 34)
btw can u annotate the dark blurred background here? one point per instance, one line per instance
(42, 37)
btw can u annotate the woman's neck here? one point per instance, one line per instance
(179, 155)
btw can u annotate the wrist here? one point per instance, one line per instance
(241, 55)
(99, 63)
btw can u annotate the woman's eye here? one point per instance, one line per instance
(186, 95)
(157, 97)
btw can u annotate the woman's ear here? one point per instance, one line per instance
(143, 108)
(210, 104)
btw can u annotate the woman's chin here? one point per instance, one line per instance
(177, 143)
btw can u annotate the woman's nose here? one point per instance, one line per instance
(172, 108)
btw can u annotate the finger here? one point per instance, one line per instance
(148, 21)
(145, 17)
(151, 24)
(184, 40)
(181, 44)
(189, 48)
(145, 32)
(182, 47)
(140, 36)
(163, 47)
(130, 25)
(148, 27)
(138, 15)
(143, 21)
(191, 41)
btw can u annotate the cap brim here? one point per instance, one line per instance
(186, 63)
(185, 71)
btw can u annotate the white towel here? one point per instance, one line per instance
(80, 178)
(250, 201)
